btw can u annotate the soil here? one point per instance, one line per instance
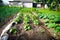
(33, 34)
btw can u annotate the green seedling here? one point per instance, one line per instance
(36, 22)
(13, 30)
(27, 27)
(26, 19)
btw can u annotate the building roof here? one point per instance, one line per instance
(14, 1)
(24, 0)
(21, 1)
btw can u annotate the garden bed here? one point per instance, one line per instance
(29, 27)
(32, 24)
(36, 33)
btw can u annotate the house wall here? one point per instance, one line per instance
(28, 5)
(39, 5)
(46, 6)
(6, 2)
(21, 4)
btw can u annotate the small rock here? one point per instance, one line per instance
(5, 36)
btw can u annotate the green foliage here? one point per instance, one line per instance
(16, 20)
(36, 22)
(51, 25)
(53, 4)
(40, 15)
(46, 20)
(45, 17)
(49, 17)
(6, 12)
(57, 29)
(19, 18)
(27, 27)
(52, 17)
(26, 19)
(57, 19)
(13, 30)
(36, 0)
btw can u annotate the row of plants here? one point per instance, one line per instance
(26, 18)
(50, 20)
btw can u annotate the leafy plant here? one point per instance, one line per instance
(51, 25)
(27, 27)
(46, 20)
(18, 18)
(45, 17)
(36, 22)
(52, 17)
(51, 21)
(40, 15)
(57, 19)
(57, 28)
(13, 30)
(26, 19)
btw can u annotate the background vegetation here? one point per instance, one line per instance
(6, 12)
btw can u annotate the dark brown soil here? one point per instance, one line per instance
(33, 34)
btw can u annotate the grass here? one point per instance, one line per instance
(6, 12)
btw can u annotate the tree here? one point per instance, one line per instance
(36, 1)
(56, 4)
(53, 4)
